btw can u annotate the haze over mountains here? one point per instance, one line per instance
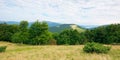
(52, 24)
(15, 22)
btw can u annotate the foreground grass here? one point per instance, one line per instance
(53, 52)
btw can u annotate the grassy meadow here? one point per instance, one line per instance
(54, 52)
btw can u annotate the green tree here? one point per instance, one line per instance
(70, 37)
(23, 26)
(39, 33)
(104, 34)
(6, 31)
(22, 36)
(37, 28)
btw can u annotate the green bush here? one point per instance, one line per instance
(96, 48)
(20, 37)
(3, 48)
(43, 39)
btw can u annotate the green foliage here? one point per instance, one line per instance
(23, 26)
(3, 48)
(104, 34)
(20, 37)
(70, 37)
(60, 28)
(39, 33)
(42, 39)
(6, 31)
(96, 48)
(38, 28)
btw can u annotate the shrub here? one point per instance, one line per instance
(3, 48)
(96, 48)
(20, 37)
(43, 39)
(52, 42)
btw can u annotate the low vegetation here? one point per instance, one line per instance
(96, 48)
(3, 48)
(54, 52)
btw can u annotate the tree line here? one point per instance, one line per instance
(38, 34)
(107, 34)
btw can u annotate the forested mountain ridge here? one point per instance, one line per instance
(62, 27)
(39, 34)
(53, 26)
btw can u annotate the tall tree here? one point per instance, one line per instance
(22, 36)
(70, 37)
(104, 34)
(39, 33)
(23, 26)
(6, 31)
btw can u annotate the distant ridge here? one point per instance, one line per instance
(62, 27)
(50, 24)
(53, 24)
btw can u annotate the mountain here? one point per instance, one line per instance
(53, 24)
(50, 24)
(62, 27)
(12, 22)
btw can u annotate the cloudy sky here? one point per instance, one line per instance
(94, 12)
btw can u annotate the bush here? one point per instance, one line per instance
(52, 42)
(43, 39)
(20, 37)
(96, 48)
(3, 48)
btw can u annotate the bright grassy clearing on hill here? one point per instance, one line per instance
(54, 52)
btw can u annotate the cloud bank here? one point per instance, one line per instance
(94, 12)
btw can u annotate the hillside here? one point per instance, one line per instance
(54, 52)
(62, 27)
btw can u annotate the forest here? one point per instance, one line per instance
(38, 34)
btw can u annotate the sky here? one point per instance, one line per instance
(87, 12)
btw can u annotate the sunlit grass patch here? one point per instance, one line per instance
(54, 52)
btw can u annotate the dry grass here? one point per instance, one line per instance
(53, 52)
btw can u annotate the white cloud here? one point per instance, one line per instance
(67, 11)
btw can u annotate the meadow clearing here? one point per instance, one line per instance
(54, 52)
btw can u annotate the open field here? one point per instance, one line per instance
(53, 52)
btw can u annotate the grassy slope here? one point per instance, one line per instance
(62, 27)
(78, 28)
(48, 52)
